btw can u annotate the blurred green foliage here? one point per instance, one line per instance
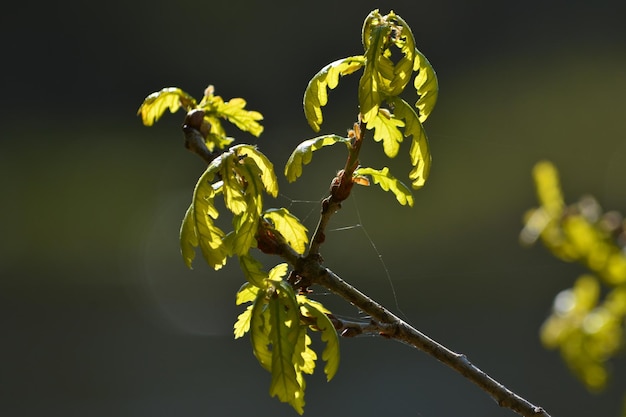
(587, 320)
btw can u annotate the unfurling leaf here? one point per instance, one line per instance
(198, 228)
(316, 95)
(170, 98)
(268, 177)
(303, 154)
(419, 151)
(426, 85)
(246, 120)
(289, 227)
(388, 183)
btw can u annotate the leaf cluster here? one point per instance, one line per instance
(587, 320)
(382, 81)
(280, 316)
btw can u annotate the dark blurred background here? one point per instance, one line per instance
(99, 315)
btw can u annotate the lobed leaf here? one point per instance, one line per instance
(254, 273)
(289, 227)
(260, 327)
(386, 129)
(419, 151)
(246, 120)
(316, 95)
(303, 154)
(157, 103)
(242, 325)
(388, 183)
(330, 354)
(277, 273)
(266, 168)
(284, 332)
(198, 228)
(426, 85)
(247, 292)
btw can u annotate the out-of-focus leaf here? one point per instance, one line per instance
(289, 227)
(316, 95)
(388, 183)
(170, 98)
(303, 154)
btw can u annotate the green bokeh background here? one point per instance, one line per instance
(99, 315)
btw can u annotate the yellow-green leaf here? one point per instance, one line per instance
(246, 120)
(247, 292)
(188, 238)
(386, 129)
(242, 325)
(198, 228)
(170, 98)
(388, 183)
(303, 154)
(304, 356)
(268, 177)
(426, 85)
(284, 332)
(404, 67)
(260, 327)
(239, 241)
(316, 95)
(253, 270)
(419, 151)
(329, 335)
(289, 227)
(234, 194)
(277, 273)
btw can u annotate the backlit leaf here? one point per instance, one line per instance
(170, 98)
(316, 95)
(419, 151)
(284, 332)
(246, 120)
(386, 129)
(268, 177)
(188, 238)
(426, 85)
(247, 292)
(242, 325)
(253, 270)
(289, 227)
(278, 272)
(260, 327)
(330, 354)
(303, 154)
(388, 183)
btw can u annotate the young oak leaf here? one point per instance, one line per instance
(277, 273)
(419, 152)
(426, 85)
(284, 332)
(303, 154)
(254, 273)
(246, 120)
(170, 98)
(242, 325)
(266, 168)
(388, 183)
(330, 354)
(403, 69)
(248, 292)
(260, 327)
(386, 129)
(198, 228)
(289, 227)
(316, 95)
